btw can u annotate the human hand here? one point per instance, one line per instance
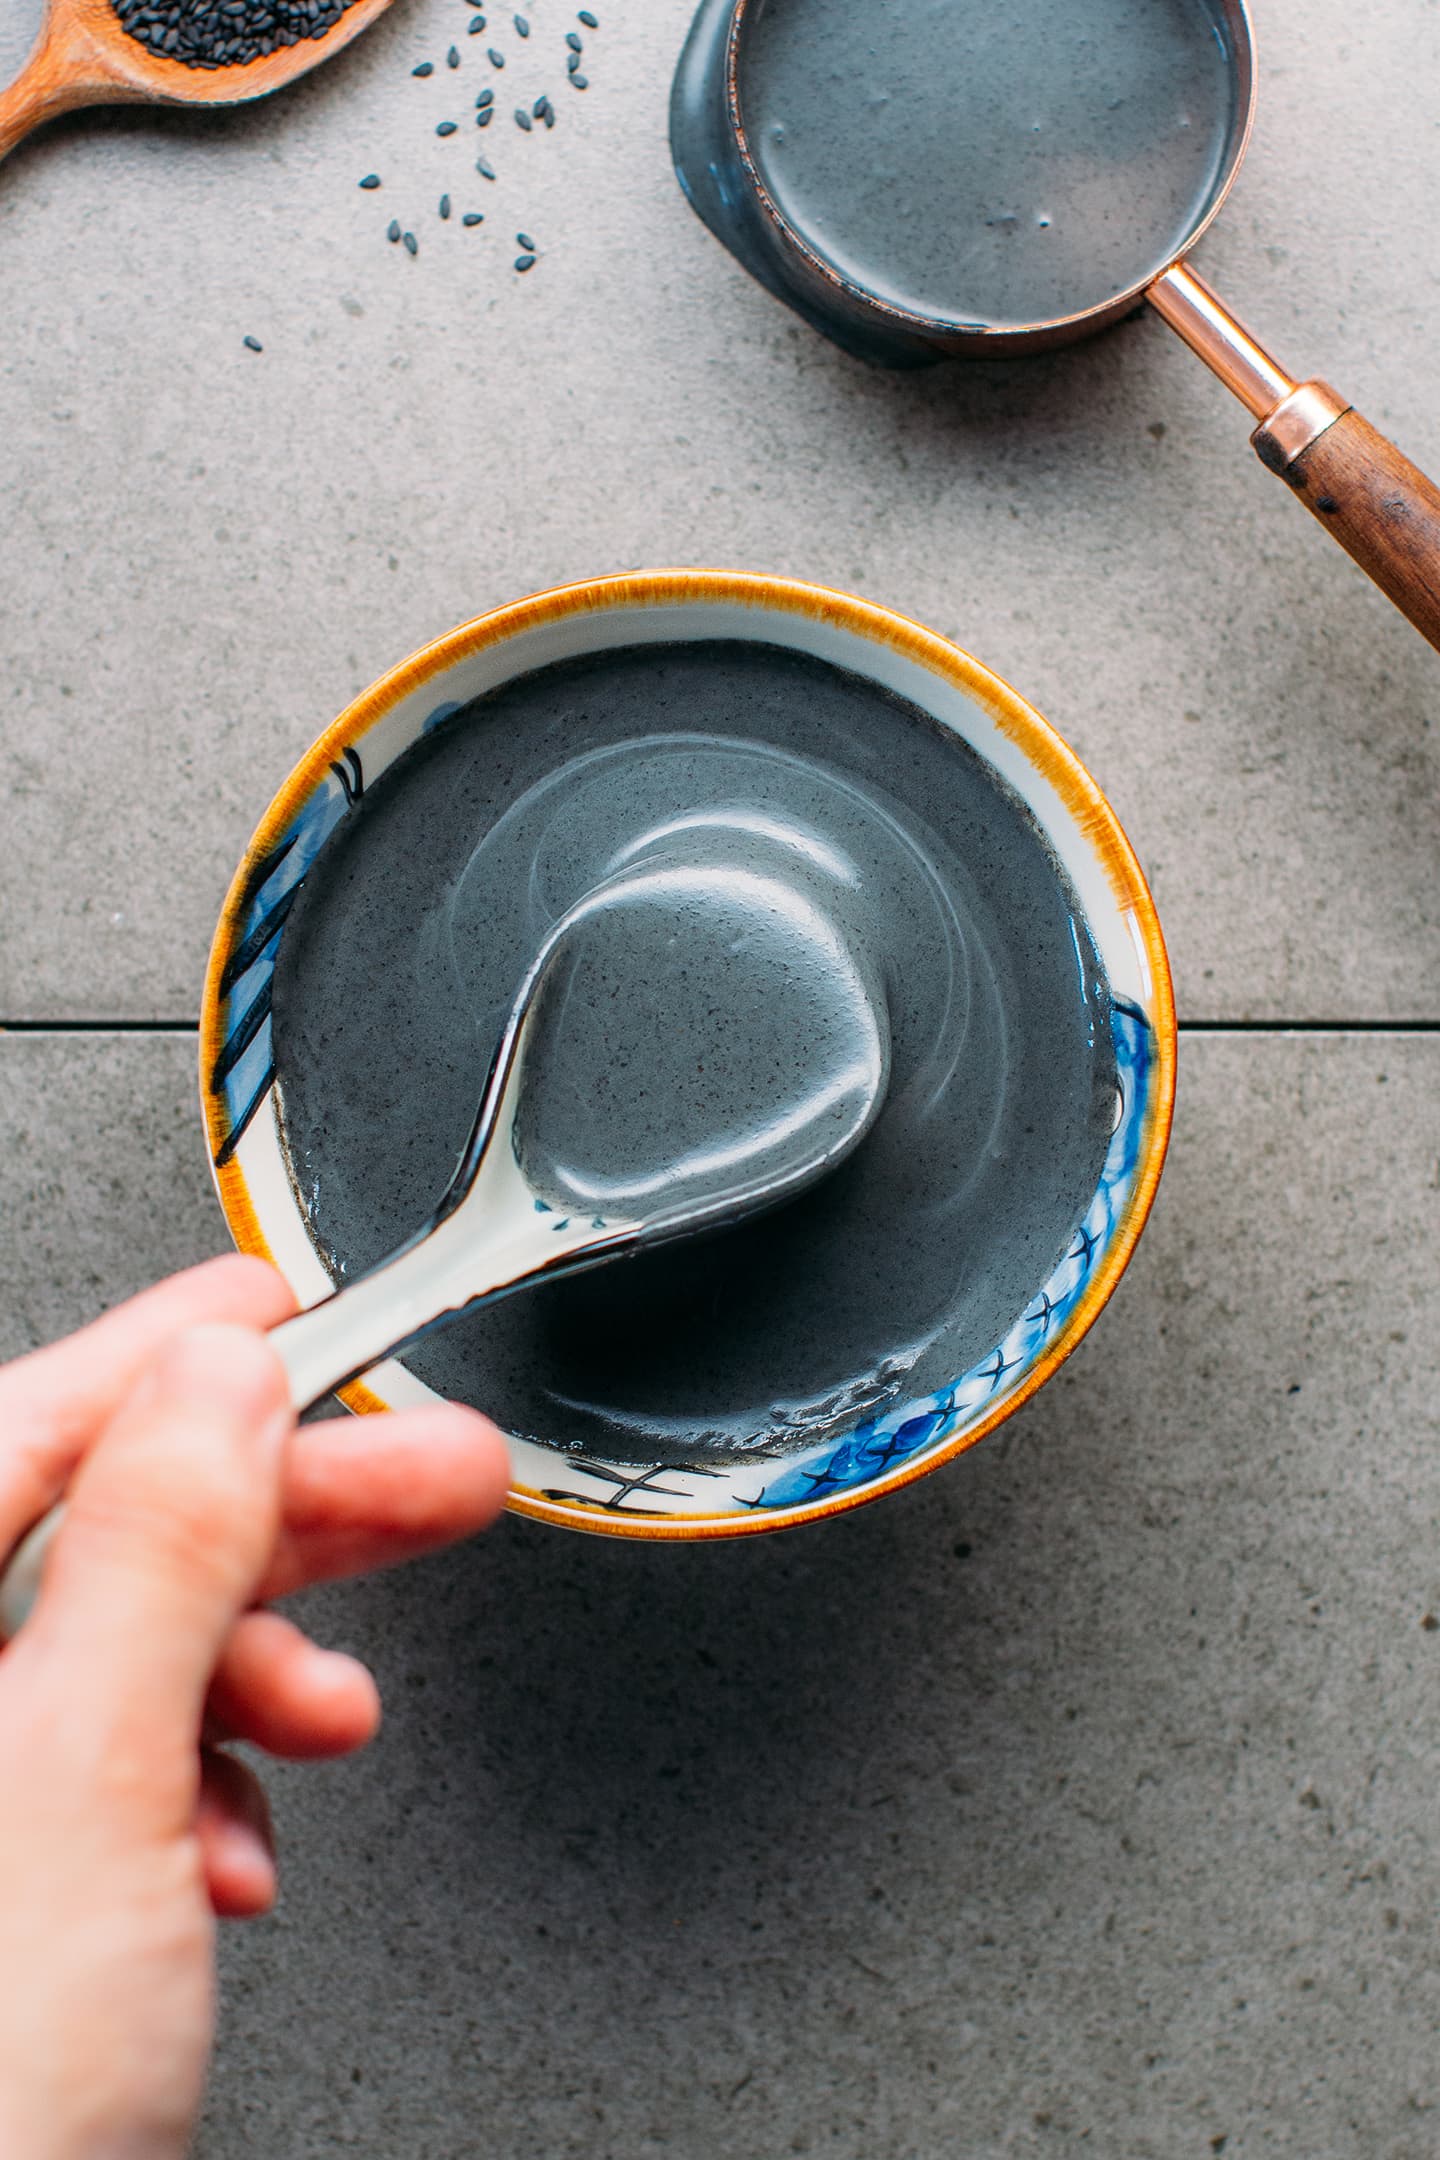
(124, 1827)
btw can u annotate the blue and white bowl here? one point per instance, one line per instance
(881, 1452)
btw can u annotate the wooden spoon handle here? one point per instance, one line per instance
(64, 72)
(1368, 495)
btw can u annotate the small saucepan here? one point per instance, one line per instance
(947, 180)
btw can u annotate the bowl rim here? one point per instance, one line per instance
(1013, 717)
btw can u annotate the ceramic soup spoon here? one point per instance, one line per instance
(696, 1040)
(85, 56)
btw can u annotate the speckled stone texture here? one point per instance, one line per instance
(1079, 1800)
(1082, 1800)
(208, 551)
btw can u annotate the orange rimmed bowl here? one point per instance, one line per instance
(885, 1449)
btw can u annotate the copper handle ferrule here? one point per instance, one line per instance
(1225, 345)
(1291, 415)
(1296, 422)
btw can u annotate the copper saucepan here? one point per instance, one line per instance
(1380, 507)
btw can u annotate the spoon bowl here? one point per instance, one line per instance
(778, 1062)
(85, 56)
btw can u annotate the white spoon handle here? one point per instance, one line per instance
(367, 1320)
(320, 1349)
(20, 1583)
(462, 1260)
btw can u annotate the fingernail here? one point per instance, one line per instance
(249, 1859)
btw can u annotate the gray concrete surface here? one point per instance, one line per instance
(1082, 1800)
(1079, 1800)
(209, 551)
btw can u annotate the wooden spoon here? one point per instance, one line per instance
(85, 56)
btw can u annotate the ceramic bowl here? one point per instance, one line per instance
(883, 1451)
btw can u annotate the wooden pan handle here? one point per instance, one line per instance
(1380, 507)
(1382, 510)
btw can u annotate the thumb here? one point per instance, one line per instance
(170, 1525)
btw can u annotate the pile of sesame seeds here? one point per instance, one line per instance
(537, 110)
(225, 33)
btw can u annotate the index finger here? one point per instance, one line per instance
(54, 1401)
(364, 1493)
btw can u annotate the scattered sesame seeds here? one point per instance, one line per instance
(252, 344)
(541, 110)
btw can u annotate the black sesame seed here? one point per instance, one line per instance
(579, 82)
(522, 119)
(495, 57)
(452, 58)
(473, 217)
(590, 21)
(371, 180)
(412, 245)
(426, 67)
(524, 262)
(522, 28)
(574, 40)
(486, 97)
(572, 63)
(444, 206)
(224, 33)
(538, 108)
(446, 127)
(252, 344)
(477, 24)
(485, 115)
(545, 111)
(485, 169)
(523, 240)
(392, 230)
